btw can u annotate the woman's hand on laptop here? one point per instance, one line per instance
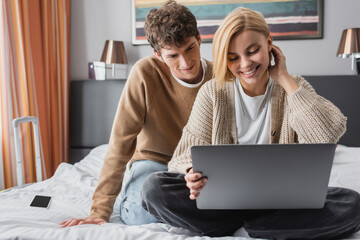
(195, 182)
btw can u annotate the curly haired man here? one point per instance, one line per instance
(154, 107)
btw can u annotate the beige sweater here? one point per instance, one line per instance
(151, 114)
(303, 117)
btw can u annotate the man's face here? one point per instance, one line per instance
(184, 62)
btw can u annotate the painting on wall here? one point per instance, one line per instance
(293, 19)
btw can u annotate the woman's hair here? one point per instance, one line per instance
(239, 20)
(171, 24)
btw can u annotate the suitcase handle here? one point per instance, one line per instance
(19, 164)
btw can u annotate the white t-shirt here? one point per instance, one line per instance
(252, 115)
(189, 85)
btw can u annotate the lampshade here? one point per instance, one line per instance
(349, 46)
(114, 52)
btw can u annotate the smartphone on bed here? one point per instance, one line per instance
(41, 201)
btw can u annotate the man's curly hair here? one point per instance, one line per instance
(171, 24)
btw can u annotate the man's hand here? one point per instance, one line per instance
(195, 182)
(81, 221)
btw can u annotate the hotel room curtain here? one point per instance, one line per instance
(34, 81)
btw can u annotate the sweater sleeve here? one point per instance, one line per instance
(127, 124)
(196, 132)
(313, 118)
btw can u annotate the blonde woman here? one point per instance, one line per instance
(251, 101)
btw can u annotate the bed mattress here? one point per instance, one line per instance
(72, 187)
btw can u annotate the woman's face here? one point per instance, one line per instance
(248, 60)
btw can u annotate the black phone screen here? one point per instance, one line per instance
(40, 201)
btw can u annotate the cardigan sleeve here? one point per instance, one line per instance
(313, 118)
(196, 132)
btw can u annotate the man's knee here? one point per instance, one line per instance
(136, 215)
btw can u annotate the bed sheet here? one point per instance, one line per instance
(72, 187)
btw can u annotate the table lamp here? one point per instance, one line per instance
(349, 47)
(113, 53)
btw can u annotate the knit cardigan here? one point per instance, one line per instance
(302, 117)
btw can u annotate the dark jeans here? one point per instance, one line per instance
(166, 197)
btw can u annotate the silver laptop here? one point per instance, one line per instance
(272, 176)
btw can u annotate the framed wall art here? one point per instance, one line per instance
(293, 19)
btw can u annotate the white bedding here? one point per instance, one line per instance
(72, 187)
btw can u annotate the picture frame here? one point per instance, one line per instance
(287, 20)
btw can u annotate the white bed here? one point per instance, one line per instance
(72, 186)
(71, 189)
